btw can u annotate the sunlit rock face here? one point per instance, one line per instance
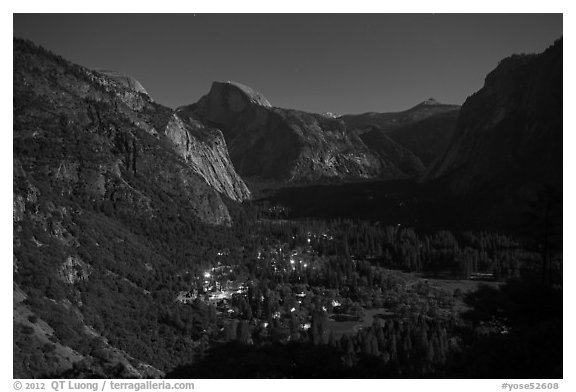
(271, 143)
(509, 133)
(204, 149)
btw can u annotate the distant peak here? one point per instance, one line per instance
(431, 101)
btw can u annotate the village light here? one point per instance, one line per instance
(206, 274)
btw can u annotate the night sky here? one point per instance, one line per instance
(340, 63)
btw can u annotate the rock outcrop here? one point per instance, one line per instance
(269, 143)
(127, 81)
(74, 270)
(509, 133)
(204, 149)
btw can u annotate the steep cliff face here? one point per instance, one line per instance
(204, 149)
(271, 143)
(509, 134)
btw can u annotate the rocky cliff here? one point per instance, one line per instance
(271, 143)
(509, 133)
(204, 149)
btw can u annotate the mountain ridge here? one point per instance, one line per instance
(293, 146)
(389, 120)
(424, 129)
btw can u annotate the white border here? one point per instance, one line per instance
(356, 6)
